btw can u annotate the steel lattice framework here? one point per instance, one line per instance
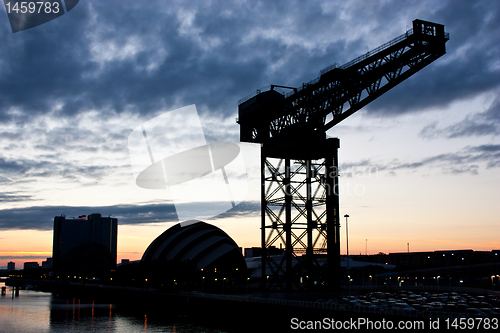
(295, 211)
(299, 201)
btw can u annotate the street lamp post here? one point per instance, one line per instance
(347, 245)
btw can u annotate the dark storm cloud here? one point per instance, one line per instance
(469, 68)
(465, 128)
(9, 166)
(483, 123)
(84, 65)
(25, 169)
(48, 67)
(243, 209)
(13, 197)
(466, 160)
(72, 151)
(42, 218)
(27, 258)
(121, 55)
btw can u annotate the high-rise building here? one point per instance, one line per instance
(84, 244)
(11, 266)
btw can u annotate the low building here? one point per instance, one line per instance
(198, 255)
(253, 252)
(31, 265)
(204, 244)
(47, 264)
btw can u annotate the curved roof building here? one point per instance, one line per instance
(202, 243)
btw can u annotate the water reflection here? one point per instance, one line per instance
(34, 311)
(71, 314)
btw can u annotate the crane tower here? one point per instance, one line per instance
(299, 163)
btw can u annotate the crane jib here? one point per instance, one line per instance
(339, 91)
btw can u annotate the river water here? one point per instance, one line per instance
(35, 311)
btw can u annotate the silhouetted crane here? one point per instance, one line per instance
(300, 203)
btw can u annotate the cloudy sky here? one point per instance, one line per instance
(419, 166)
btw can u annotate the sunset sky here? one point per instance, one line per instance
(420, 165)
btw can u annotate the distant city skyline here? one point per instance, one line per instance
(419, 165)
